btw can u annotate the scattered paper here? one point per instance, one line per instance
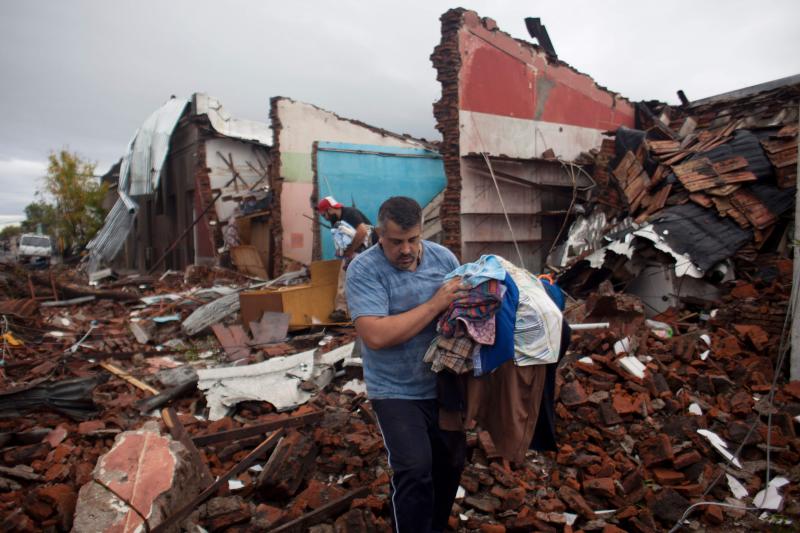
(695, 409)
(623, 346)
(256, 468)
(235, 484)
(633, 365)
(355, 385)
(460, 493)
(150, 300)
(344, 478)
(707, 340)
(737, 489)
(721, 446)
(769, 498)
(65, 322)
(166, 318)
(586, 360)
(570, 518)
(773, 519)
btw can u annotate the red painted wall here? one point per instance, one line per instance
(502, 76)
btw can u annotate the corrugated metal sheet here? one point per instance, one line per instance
(138, 175)
(224, 123)
(150, 146)
(700, 233)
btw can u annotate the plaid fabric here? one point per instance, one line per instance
(453, 353)
(481, 303)
(481, 331)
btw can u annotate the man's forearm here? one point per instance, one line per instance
(386, 331)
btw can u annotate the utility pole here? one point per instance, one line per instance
(794, 308)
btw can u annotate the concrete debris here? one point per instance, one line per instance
(144, 476)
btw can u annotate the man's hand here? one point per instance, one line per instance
(449, 292)
(380, 332)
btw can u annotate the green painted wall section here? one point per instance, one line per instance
(296, 167)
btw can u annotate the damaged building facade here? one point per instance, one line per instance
(166, 214)
(316, 153)
(214, 400)
(682, 200)
(513, 121)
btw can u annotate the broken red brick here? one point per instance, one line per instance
(575, 501)
(600, 486)
(688, 458)
(656, 450)
(665, 476)
(572, 394)
(487, 445)
(56, 436)
(90, 426)
(713, 514)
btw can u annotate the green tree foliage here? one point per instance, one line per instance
(37, 214)
(78, 199)
(10, 231)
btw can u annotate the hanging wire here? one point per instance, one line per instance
(497, 188)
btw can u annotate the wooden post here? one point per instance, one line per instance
(794, 369)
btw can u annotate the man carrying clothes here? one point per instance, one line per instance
(334, 212)
(395, 293)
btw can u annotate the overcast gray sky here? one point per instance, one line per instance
(85, 74)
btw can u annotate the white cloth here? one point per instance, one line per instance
(343, 234)
(537, 332)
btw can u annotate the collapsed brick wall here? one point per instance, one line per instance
(446, 59)
(276, 186)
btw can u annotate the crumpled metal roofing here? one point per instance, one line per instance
(224, 123)
(139, 175)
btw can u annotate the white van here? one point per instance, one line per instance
(33, 247)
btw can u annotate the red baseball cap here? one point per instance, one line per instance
(327, 203)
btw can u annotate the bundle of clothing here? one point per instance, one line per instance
(343, 235)
(495, 356)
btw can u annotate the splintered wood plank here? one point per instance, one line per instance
(729, 165)
(701, 199)
(621, 172)
(658, 176)
(698, 182)
(695, 166)
(753, 209)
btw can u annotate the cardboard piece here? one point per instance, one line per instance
(307, 305)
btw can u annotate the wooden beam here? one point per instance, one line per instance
(178, 433)
(129, 378)
(243, 465)
(329, 510)
(257, 429)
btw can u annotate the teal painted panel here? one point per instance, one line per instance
(366, 175)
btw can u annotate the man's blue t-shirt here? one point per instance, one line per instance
(376, 288)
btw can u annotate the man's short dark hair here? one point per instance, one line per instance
(402, 210)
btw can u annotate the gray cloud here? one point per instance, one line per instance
(84, 74)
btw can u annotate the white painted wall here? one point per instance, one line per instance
(220, 174)
(302, 124)
(522, 138)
